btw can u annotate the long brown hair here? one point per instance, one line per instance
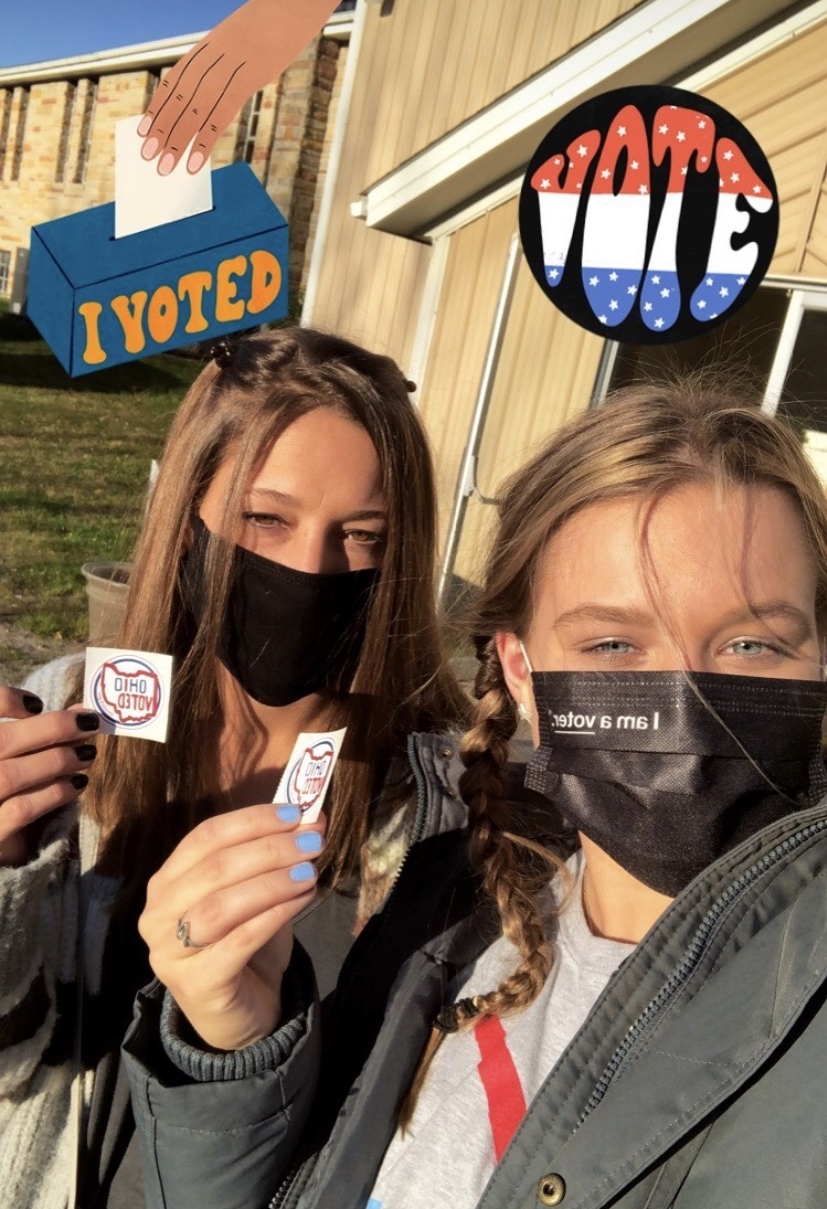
(645, 441)
(147, 796)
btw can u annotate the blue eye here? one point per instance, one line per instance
(613, 646)
(751, 647)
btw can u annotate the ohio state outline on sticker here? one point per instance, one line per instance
(128, 691)
(309, 775)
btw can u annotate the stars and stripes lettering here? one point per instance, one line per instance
(680, 134)
(614, 236)
(728, 269)
(559, 183)
(606, 181)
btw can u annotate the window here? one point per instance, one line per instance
(86, 131)
(20, 134)
(153, 79)
(778, 340)
(5, 273)
(247, 129)
(65, 131)
(5, 126)
(796, 384)
(746, 343)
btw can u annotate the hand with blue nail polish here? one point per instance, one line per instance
(218, 919)
(43, 761)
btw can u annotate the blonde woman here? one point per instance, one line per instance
(286, 563)
(647, 1029)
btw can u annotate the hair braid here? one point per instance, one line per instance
(508, 879)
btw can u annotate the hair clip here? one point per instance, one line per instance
(448, 1019)
(222, 352)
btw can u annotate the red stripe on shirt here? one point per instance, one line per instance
(503, 1090)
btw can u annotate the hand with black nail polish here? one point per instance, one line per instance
(44, 764)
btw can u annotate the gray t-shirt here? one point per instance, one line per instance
(447, 1155)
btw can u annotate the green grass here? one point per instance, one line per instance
(74, 464)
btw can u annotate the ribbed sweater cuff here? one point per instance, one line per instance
(206, 1066)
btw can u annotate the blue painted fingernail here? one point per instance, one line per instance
(309, 841)
(288, 813)
(303, 872)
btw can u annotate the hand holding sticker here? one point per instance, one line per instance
(203, 92)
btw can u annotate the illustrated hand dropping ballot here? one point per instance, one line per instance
(308, 772)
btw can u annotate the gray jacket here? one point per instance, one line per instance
(696, 1082)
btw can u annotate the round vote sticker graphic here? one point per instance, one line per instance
(648, 214)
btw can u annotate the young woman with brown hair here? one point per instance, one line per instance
(286, 563)
(649, 1030)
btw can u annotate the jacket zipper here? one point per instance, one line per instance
(283, 1198)
(646, 1021)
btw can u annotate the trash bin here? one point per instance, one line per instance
(107, 585)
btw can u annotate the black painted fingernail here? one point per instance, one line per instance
(87, 721)
(33, 704)
(86, 751)
(79, 781)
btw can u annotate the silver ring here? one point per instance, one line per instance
(182, 933)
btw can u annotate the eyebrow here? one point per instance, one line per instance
(780, 609)
(599, 612)
(776, 609)
(281, 497)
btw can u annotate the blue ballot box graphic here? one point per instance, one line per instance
(99, 301)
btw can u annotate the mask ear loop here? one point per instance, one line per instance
(522, 708)
(525, 655)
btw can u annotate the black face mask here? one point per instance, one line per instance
(286, 633)
(642, 766)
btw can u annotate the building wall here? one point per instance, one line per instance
(545, 374)
(424, 66)
(342, 50)
(433, 65)
(782, 99)
(61, 158)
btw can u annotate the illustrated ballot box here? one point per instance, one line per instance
(100, 301)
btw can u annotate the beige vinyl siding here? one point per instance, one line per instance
(424, 68)
(546, 371)
(431, 64)
(782, 99)
(465, 313)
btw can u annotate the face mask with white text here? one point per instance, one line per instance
(666, 771)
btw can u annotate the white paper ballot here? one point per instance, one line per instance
(307, 773)
(143, 199)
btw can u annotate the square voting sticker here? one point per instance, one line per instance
(307, 774)
(130, 690)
